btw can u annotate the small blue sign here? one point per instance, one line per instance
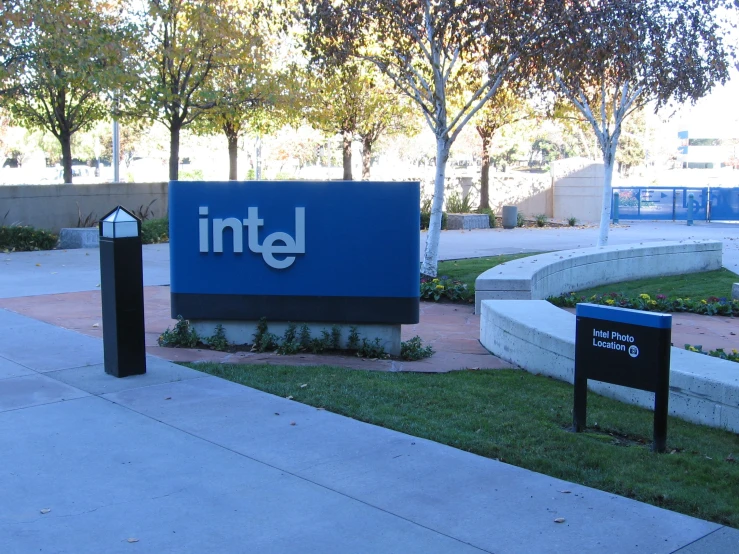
(624, 315)
(238, 247)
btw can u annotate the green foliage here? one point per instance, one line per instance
(732, 356)
(371, 349)
(541, 220)
(353, 340)
(491, 217)
(520, 219)
(443, 287)
(426, 219)
(322, 344)
(182, 336)
(290, 343)
(571, 221)
(154, 231)
(22, 238)
(264, 341)
(335, 337)
(305, 336)
(661, 303)
(413, 349)
(455, 204)
(218, 340)
(525, 420)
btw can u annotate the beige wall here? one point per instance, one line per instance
(532, 193)
(53, 207)
(577, 189)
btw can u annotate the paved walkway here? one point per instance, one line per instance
(179, 461)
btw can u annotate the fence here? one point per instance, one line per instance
(671, 203)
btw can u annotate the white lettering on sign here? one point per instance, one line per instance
(280, 244)
(616, 341)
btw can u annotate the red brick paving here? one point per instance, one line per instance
(452, 330)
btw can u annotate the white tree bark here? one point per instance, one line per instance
(605, 215)
(431, 254)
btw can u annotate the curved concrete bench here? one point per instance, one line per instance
(541, 276)
(540, 338)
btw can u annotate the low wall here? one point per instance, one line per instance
(540, 338)
(53, 207)
(541, 276)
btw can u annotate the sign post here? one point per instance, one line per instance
(623, 347)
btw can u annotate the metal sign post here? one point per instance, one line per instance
(623, 347)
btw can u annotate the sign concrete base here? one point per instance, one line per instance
(242, 332)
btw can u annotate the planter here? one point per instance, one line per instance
(510, 217)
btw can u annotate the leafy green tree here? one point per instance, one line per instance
(66, 56)
(181, 44)
(423, 46)
(616, 57)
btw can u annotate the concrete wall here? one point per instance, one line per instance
(540, 338)
(577, 190)
(53, 207)
(541, 276)
(532, 194)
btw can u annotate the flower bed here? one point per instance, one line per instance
(660, 303)
(444, 288)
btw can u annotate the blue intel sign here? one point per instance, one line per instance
(295, 251)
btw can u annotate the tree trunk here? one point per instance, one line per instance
(605, 213)
(347, 155)
(485, 174)
(429, 267)
(65, 138)
(233, 142)
(174, 152)
(366, 157)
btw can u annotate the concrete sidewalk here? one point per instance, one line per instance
(179, 461)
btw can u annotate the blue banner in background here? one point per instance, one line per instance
(295, 239)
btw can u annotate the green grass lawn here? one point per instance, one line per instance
(470, 269)
(692, 285)
(524, 420)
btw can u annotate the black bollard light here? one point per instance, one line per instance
(122, 291)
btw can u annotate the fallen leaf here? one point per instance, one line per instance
(559, 520)
(45, 510)
(168, 398)
(565, 492)
(293, 423)
(320, 408)
(38, 265)
(97, 285)
(96, 325)
(87, 253)
(289, 397)
(730, 458)
(131, 539)
(277, 413)
(303, 385)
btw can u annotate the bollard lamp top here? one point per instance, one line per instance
(120, 223)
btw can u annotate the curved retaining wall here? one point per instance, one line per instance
(540, 338)
(541, 276)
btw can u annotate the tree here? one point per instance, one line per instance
(616, 57)
(422, 45)
(355, 101)
(503, 109)
(181, 43)
(66, 56)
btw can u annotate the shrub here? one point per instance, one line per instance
(541, 220)
(154, 231)
(491, 217)
(732, 356)
(455, 204)
(572, 221)
(426, 219)
(182, 336)
(218, 340)
(444, 287)
(353, 341)
(520, 219)
(373, 349)
(264, 341)
(23, 238)
(413, 349)
(290, 343)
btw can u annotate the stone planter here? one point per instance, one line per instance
(510, 217)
